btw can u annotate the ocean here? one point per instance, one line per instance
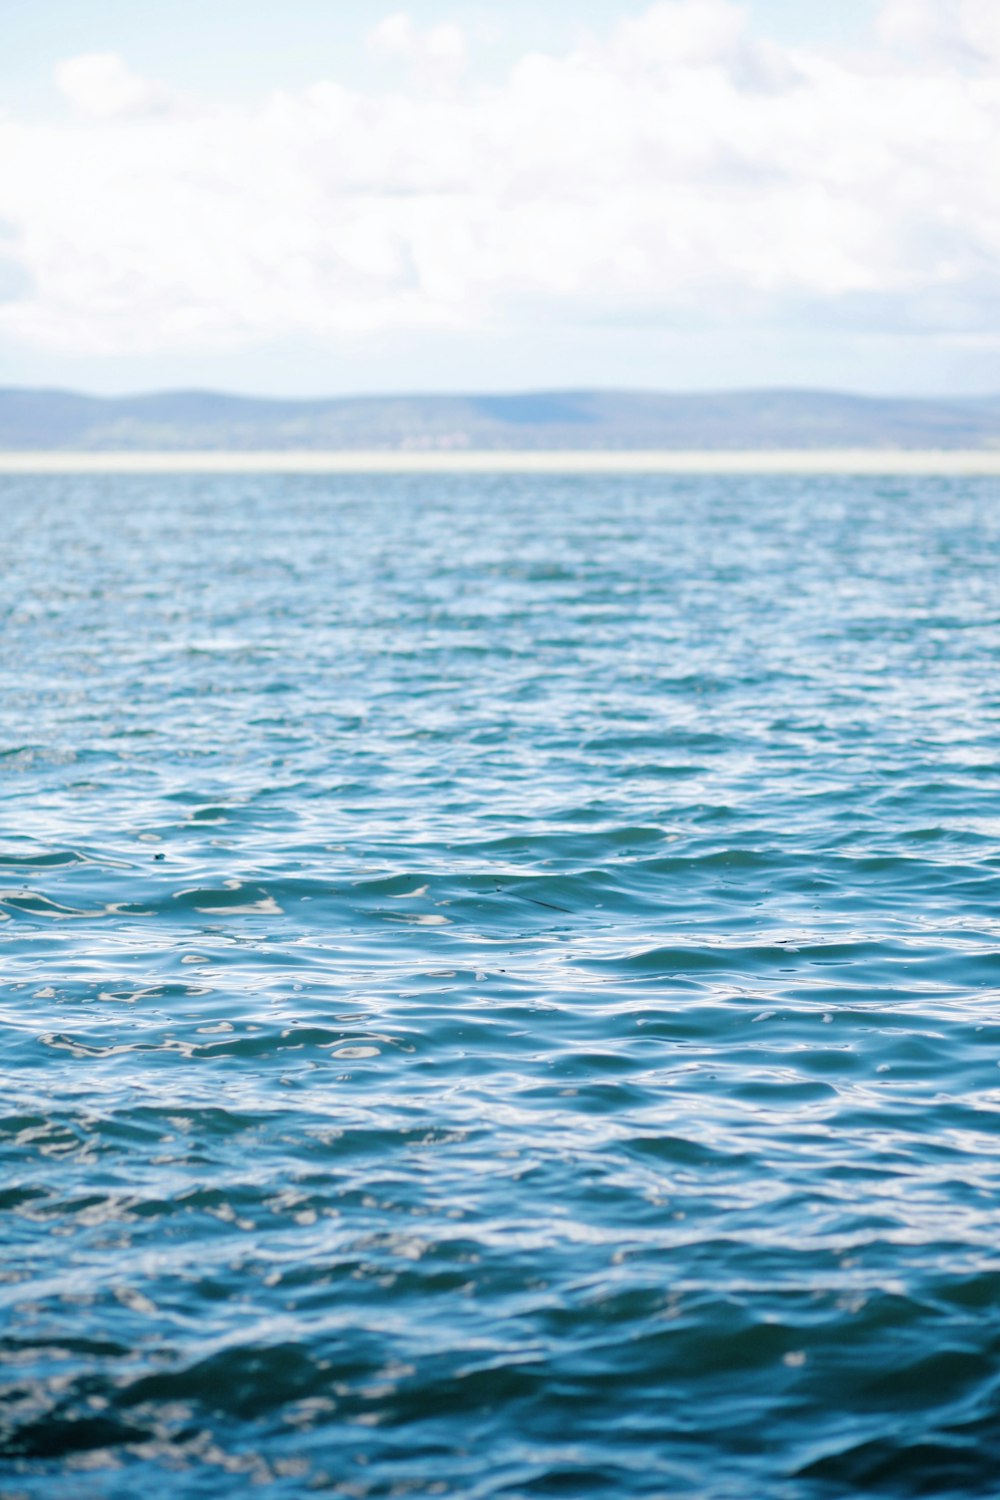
(500, 986)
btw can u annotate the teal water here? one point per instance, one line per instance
(500, 987)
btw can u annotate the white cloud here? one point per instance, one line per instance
(679, 168)
(960, 30)
(399, 34)
(677, 34)
(436, 54)
(101, 85)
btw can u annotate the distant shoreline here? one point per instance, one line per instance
(509, 461)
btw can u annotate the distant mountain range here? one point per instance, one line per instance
(179, 420)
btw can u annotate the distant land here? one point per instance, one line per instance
(610, 421)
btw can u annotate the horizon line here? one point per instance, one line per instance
(469, 393)
(803, 461)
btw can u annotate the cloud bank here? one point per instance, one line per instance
(678, 170)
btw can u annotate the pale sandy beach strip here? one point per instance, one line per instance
(580, 461)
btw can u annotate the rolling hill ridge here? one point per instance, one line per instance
(58, 420)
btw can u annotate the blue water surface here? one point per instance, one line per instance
(500, 987)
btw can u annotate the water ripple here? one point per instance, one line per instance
(501, 988)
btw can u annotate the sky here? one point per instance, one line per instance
(330, 196)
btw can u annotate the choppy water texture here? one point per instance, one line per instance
(500, 987)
